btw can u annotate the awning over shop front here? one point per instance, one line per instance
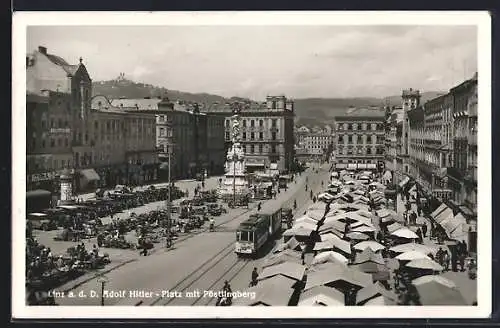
(255, 164)
(351, 166)
(37, 193)
(361, 166)
(371, 166)
(340, 166)
(404, 182)
(90, 175)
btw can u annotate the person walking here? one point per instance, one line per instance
(424, 230)
(446, 260)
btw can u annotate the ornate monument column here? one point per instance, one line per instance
(66, 182)
(235, 185)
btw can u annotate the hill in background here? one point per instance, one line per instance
(309, 111)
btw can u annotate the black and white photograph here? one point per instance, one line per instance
(197, 165)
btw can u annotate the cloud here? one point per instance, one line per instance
(253, 61)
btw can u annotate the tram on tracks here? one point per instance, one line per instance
(257, 230)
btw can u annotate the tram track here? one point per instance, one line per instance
(213, 285)
(188, 281)
(231, 271)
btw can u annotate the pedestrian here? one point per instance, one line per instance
(446, 260)
(439, 256)
(454, 259)
(419, 234)
(461, 261)
(465, 249)
(424, 230)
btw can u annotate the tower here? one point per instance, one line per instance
(411, 100)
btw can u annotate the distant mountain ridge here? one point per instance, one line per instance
(309, 111)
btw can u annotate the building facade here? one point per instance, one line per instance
(463, 174)
(267, 131)
(193, 140)
(442, 139)
(73, 135)
(319, 144)
(360, 139)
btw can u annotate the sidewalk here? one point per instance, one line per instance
(467, 287)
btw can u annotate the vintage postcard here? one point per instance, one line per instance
(198, 165)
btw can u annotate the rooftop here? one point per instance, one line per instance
(376, 113)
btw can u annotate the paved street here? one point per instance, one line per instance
(166, 268)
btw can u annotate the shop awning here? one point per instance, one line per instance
(340, 166)
(351, 166)
(361, 166)
(371, 166)
(38, 193)
(255, 164)
(90, 175)
(404, 182)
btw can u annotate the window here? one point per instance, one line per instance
(43, 143)
(252, 123)
(252, 136)
(340, 126)
(261, 135)
(244, 136)
(374, 126)
(44, 124)
(260, 148)
(341, 139)
(355, 126)
(252, 149)
(368, 151)
(162, 132)
(369, 139)
(349, 138)
(273, 149)
(274, 122)
(228, 124)
(52, 143)
(59, 142)
(244, 123)
(52, 124)
(261, 123)
(66, 142)
(273, 135)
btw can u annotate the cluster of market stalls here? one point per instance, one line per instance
(348, 248)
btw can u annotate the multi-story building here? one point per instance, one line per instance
(267, 132)
(95, 138)
(360, 139)
(194, 140)
(461, 176)
(300, 135)
(319, 144)
(410, 100)
(393, 133)
(48, 138)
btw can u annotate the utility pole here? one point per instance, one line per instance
(234, 181)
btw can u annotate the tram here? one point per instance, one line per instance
(256, 231)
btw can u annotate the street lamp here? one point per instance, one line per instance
(102, 280)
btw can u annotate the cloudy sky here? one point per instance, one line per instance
(253, 61)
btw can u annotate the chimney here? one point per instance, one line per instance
(42, 50)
